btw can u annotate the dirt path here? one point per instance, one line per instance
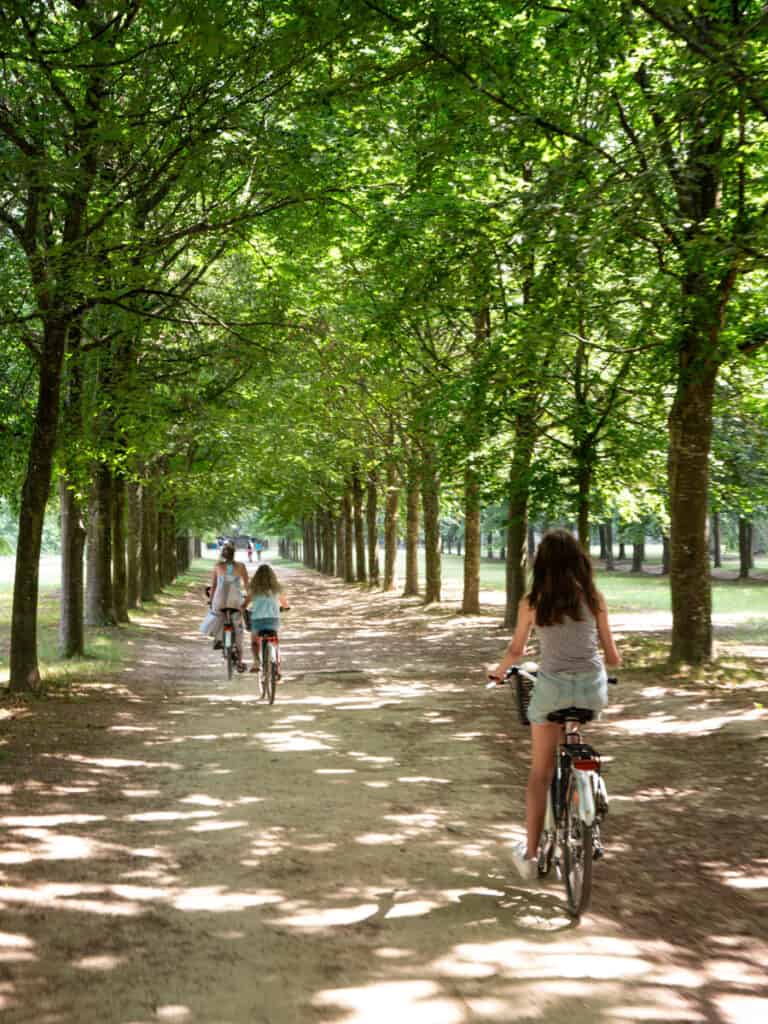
(173, 850)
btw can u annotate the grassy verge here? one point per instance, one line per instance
(106, 649)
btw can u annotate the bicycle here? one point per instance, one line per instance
(232, 655)
(269, 647)
(577, 801)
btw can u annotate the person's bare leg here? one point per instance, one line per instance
(544, 740)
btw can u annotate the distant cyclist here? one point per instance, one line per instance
(227, 583)
(571, 623)
(266, 598)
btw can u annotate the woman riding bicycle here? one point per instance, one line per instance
(226, 582)
(571, 622)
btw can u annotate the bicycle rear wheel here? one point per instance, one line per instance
(230, 651)
(271, 670)
(577, 855)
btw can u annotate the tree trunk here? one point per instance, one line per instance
(690, 433)
(519, 534)
(357, 502)
(411, 534)
(717, 546)
(391, 507)
(489, 543)
(583, 488)
(119, 563)
(309, 541)
(133, 548)
(328, 545)
(608, 535)
(24, 669)
(603, 556)
(98, 587)
(745, 547)
(339, 521)
(430, 503)
(371, 521)
(664, 554)
(147, 507)
(349, 550)
(71, 631)
(622, 551)
(318, 534)
(471, 598)
(638, 556)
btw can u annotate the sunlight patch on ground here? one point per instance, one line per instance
(408, 1002)
(16, 948)
(742, 1009)
(105, 962)
(113, 762)
(670, 724)
(312, 918)
(217, 899)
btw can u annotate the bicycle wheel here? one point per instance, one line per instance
(230, 652)
(577, 855)
(271, 671)
(264, 666)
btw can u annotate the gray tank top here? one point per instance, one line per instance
(570, 646)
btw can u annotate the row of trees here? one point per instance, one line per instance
(384, 254)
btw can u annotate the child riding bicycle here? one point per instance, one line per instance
(571, 622)
(266, 597)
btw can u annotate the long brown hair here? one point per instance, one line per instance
(264, 581)
(562, 580)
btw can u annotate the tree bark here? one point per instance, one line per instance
(690, 434)
(665, 554)
(717, 546)
(357, 503)
(745, 547)
(391, 507)
(24, 668)
(328, 545)
(638, 556)
(584, 474)
(430, 502)
(119, 562)
(372, 527)
(98, 587)
(71, 623)
(133, 547)
(411, 533)
(349, 563)
(147, 506)
(518, 531)
(609, 564)
(470, 604)
(340, 545)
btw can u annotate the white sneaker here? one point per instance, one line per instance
(528, 867)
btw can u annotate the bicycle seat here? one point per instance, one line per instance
(267, 632)
(229, 609)
(571, 714)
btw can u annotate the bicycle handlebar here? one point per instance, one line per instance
(515, 670)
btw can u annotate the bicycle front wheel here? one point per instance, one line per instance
(577, 855)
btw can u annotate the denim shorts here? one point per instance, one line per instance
(565, 690)
(257, 624)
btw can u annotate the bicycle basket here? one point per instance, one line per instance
(523, 691)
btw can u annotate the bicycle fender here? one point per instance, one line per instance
(586, 790)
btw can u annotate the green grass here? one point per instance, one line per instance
(106, 649)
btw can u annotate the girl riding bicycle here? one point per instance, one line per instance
(266, 597)
(571, 622)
